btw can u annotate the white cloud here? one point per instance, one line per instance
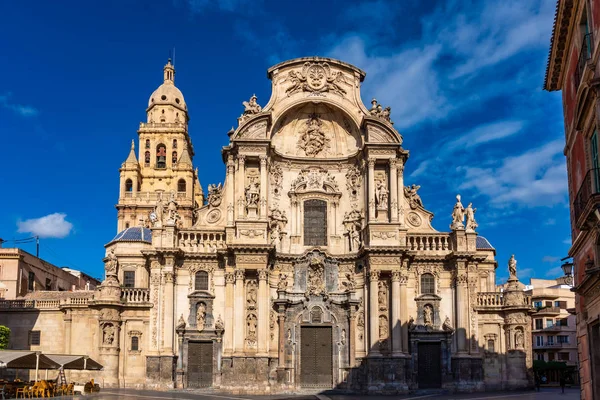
(550, 259)
(485, 133)
(567, 241)
(51, 226)
(554, 272)
(22, 110)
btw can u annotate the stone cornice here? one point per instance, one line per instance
(559, 44)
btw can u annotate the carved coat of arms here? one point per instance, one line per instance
(316, 78)
(313, 140)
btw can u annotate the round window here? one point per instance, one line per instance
(163, 97)
(177, 100)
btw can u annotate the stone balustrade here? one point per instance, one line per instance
(201, 241)
(490, 299)
(135, 295)
(429, 242)
(166, 125)
(44, 304)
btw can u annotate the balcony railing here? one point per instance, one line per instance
(201, 241)
(135, 295)
(429, 242)
(548, 311)
(584, 55)
(44, 303)
(590, 187)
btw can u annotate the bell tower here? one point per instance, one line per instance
(165, 160)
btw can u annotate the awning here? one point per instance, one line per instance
(68, 361)
(25, 359)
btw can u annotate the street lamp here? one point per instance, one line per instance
(567, 268)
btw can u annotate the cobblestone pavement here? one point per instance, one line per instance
(129, 394)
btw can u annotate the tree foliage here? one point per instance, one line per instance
(4, 337)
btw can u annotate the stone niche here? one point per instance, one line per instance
(316, 274)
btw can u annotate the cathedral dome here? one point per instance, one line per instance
(133, 234)
(168, 93)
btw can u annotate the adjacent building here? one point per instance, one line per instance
(554, 324)
(314, 265)
(22, 273)
(573, 68)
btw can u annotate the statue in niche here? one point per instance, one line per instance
(282, 284)
(512, 268)
(519, 339)
(428, 315)
(353, 181)
(313, 140)
(215, 194)
(382, 296)
(181, 322)
(251, 325)
(458, 215)
(343, 337)
(112, 263)
(251, 296)
(383, 327)
(201, 316)
(252, 194)
(470, 213)
(108, 334)
(315, 281)
(277, 222)
(276, 179)
(381, 193)
(219, 325)
(353, 226)
(414, 200)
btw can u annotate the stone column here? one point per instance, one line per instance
(371, 186)
(229, 324)
(373, 313)
(263, 312)
(396, 320)
(263, 187)
(241, 178)
(400, 173)
(230, 192)
(239, 323)
(169, 303)
(352, 336)
(393, 190)
(404, 305)
(281, 355)
(462, 314)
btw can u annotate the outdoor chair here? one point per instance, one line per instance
(2, 391)
(70, 390)
(24, 391)
(37, 390)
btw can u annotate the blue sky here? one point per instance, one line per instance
(463, 79)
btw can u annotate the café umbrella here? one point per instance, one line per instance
(25, 359)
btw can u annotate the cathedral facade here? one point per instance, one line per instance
(313, 265)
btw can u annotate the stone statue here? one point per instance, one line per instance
(353, 225)
(428, 315)
(251, 324)
(447, 325)
(251, 296)
(112, 263)
(252, 194)
(350, 283)
(315, 281)
(519, 339)
(458, 215)
(277, 222)
(251, 107)
(201, 316)
(180, 323)
(173, 216)
(343, 337)
(215, 194)
(219, 325)
(512, 268)
(414, 200)
(411, 324)
(157, 216)
(378, 111)
(470, 213)
(382, 296)
(381, 194)
(109, 334)
(383, 327)
(313, 141)
(282, 284)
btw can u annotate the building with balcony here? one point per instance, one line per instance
(313, 266)
(554, 332)
(22, 274)
(573, 69)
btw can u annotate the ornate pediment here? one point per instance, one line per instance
(254, 127)
(379, 132)
(315, 179)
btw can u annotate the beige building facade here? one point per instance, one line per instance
(313, 265)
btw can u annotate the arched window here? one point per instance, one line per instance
(174, 143)
(128, 185)
(427, 284)
(161, 156)
(147, 158)
(315, 223)
(147, 143)
(135, 343)
(174, 157)
(201, 280)
(491, 346)
(181, 185)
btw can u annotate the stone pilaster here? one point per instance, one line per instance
(400, 189)
(373, 313)
(239, 323)
(168, 304)
(395, 317)
(393, 190)
(229, 324)
(371, 186)
(281, 355)
(241, 177)
(263, 312)
(230, 190)
(352, 336)
(462, 308)
(263, 187)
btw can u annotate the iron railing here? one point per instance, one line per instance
(588, 189)
(584, 55)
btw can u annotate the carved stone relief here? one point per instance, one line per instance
(353, 227)
(316, 78)
(276, 177)
(314, 139)
(353, 181)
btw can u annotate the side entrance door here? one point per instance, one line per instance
(200, 364)
(430, 368)
(316, 368)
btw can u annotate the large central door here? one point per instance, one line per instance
(200, 364)
(430, 368)
(316, 369)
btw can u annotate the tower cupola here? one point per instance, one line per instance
(166, 104)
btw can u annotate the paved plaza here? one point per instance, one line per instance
(128, 394)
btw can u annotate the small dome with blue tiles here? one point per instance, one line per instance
(483, 244)
(134, 234)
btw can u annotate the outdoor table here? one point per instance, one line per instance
(80, 389)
